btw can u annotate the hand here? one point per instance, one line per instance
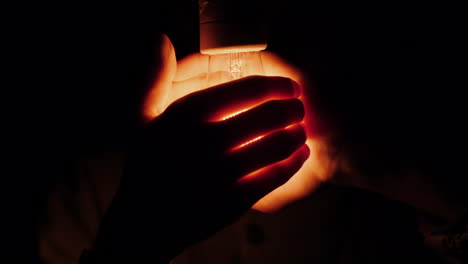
(190, 75)
(187, 175)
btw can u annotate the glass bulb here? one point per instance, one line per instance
(231, 66)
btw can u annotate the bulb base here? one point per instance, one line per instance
(228, 26)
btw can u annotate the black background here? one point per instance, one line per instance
(386, 75)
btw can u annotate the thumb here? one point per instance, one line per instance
(156, 98)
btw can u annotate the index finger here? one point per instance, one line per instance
(218, 102)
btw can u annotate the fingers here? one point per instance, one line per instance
(219, 101)
(267, 150)
(256, 185)
(257, 121)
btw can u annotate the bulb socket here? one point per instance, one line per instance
(233, 26)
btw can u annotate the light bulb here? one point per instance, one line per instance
(234, 65)
(232, 32)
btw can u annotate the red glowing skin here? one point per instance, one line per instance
(189, 75)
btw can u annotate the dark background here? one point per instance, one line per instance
(386, 77)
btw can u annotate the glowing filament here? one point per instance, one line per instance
(235, 66)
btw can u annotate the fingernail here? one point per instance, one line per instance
(296, 87)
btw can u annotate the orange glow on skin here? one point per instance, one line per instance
(252, 175)
(233, 115)
(229, 112)
(251, 141)
(257, 138)
(247, 143)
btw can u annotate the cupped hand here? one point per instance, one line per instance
(191, 74)
(196, 167)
